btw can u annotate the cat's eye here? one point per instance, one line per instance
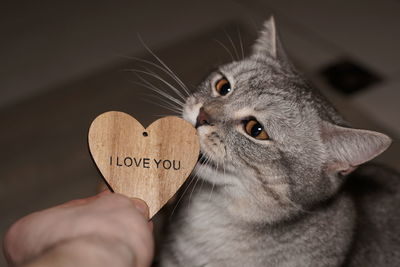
(255, 129)
(223, 87)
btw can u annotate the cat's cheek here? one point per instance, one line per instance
(255, 204)
(210, 143)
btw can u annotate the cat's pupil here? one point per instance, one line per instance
(256, 130)
(225, 89)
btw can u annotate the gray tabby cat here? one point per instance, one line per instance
(277, 158)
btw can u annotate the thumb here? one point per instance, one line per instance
(141, 206)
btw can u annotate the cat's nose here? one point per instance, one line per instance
(203, 118)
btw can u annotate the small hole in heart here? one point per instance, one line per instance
(145, 134)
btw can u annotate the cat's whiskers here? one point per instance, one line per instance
(207, 160)
(162, 102)
(174, 89)
(154, 88)
(169, 101)
(232, 44)
(192, 178)
(212, 190)
(164, 115)
(170, 104)
(202, 183)
(226, 49)
(224, 171)
(184, 87)
(166, 104)
(166, 71)
(241, 43)
(137, 71)
(213, 183)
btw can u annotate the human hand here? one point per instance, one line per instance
(103, 230)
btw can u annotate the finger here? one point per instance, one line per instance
(141, 206)
(72, 203)
(104, 192)
(82, 201)
(151, 225)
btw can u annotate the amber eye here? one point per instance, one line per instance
(223, 87)
(255, 129)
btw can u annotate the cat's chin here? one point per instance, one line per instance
(213, 174)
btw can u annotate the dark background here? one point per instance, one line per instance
(63, 62)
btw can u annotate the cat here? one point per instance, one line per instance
(282, 182)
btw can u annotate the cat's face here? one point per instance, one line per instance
(263, 134)
(256, 136)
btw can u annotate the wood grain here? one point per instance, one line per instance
(150, 164)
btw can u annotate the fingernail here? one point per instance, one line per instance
(141, 206)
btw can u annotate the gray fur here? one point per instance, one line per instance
(277, 202)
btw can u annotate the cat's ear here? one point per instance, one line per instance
(348, 148)
(268, 41)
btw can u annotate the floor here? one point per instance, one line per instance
(45, 131)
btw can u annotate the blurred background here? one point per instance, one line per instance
(64, 62)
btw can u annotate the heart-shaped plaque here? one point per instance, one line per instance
(150, 164)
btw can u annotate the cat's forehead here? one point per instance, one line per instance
(250, 67)
(256, 76)
(263, 81)
(241, 70)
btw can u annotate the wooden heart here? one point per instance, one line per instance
(150, 164)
